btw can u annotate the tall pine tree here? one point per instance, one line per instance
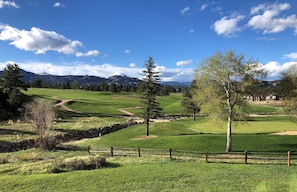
(149, 89)
(12, 85)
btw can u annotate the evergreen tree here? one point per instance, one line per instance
(12, 86)
(189, 102)
(149, 89)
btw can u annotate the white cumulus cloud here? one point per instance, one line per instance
(8, 4)
(58, 4)
(127, 51)
(184, 62)
(40, 41)
(184, 10)
(266, 18)
(102, 70)
(275, 69)
(132, 65)
(91, 53)
(228, 26)
(292, 55)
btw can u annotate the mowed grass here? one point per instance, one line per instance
(202, 135)
(105, 103)
(157, 174)
(160, 175)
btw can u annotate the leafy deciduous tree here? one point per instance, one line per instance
(222, 81)
(288, 87)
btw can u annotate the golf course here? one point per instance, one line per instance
(267, 131)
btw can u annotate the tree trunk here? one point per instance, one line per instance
(229, 135)
(194, 116)
(147, 122)
(229, 127)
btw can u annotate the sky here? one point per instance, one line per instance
(115, 37)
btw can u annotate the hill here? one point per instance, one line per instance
(88, 80)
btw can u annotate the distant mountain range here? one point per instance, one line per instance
(88, 80)
(94, 80)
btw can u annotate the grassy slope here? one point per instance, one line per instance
(160, 175)
(142, 174)
(105, 102)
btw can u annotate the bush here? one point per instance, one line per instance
(41, 115)
(47, 143)
(78, 163)
(4, 160)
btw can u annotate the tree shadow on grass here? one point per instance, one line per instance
(67, 147)
(71, 114)
(4, 131)
(286, 147)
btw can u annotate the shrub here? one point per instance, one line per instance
(47, 143)
(78, 163)
(29, 157)
(41, 115)
(4, 160)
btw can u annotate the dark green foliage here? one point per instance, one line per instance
(189, 102)
(37, 83)
(12, 98)
(149, 89)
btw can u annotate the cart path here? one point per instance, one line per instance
(62, 104)
(129, 114)
(126, 112)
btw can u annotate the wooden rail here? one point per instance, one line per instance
(245, 157)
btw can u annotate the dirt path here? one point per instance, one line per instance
(131, 115)
(62, 104)
(126, 112)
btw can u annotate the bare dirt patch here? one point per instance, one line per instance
(126, 112)
(144, 137)
(62, 104)
(285, 133)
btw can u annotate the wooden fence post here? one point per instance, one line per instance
(111, 151)
(138, 151)
(206, 156)
(170, 153)
(245, 157)
(289, 158)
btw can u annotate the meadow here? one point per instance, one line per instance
(29, 170)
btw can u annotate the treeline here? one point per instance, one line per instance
(104, 87)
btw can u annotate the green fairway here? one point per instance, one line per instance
(30, 170)
(105, 103)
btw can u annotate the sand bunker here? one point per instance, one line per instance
(286, 133)
(144, 137)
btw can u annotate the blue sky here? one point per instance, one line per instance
(115, 37)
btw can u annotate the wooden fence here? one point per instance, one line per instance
(282, 158)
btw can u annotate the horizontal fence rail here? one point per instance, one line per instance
(282, 158)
